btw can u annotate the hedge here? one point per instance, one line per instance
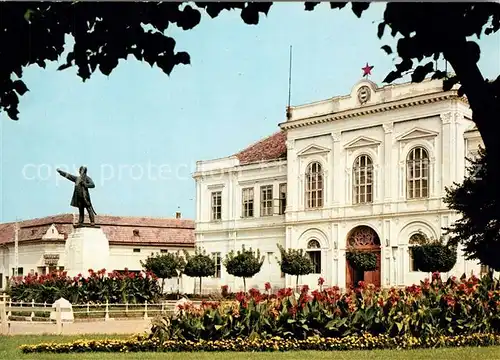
(364, 342)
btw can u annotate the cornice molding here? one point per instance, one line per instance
(373, 109)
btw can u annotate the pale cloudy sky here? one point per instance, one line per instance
(128, 126)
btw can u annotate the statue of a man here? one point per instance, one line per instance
(81, 196)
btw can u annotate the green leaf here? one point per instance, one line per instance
(20, 87)
(381, 29)
(399, 326)
(28, 14)
(387, 49)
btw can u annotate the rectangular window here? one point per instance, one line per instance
(1, 281)
(417, 173)
(282, 199)
(218, 264)
(137, 250)
(315, 257)
(19, 271)
(217, 205)
(266, 200)
(247, 202)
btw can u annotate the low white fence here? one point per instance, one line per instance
(38, 313)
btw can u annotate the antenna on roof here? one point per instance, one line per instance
(288, 112)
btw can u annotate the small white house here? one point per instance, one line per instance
(41, 244)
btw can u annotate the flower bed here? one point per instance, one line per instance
(433, 308)
(364, 342)
(98, 287)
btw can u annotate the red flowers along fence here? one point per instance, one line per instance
(98, 287)
(429, 310)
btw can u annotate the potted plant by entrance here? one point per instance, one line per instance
(362, 260)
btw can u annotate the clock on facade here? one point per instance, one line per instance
(364, 94)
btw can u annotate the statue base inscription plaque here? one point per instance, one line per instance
(86, 248)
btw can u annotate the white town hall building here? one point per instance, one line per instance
(367, 169)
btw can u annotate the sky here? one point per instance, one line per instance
(140, 132)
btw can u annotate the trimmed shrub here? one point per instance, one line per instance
(362, 260)
(295, 262)
(434, 257)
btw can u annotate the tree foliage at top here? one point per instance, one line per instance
(295, 262)
(244, 263)
(199, 265)
(104, 33)
(478, 229)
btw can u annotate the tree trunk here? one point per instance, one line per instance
(200, 285)
(162, 285)
(297, 283)
(244, 285)
(481, 100)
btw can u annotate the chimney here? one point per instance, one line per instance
(177, 214)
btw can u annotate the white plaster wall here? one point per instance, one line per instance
(387, 137)
(121, 257)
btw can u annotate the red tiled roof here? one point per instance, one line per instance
(270, 148)
(118, 229)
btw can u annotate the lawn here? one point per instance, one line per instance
(8, 350)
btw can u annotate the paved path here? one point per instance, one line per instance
(135, 326)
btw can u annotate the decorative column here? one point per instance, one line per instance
(229, 200)
(387, 244)
(233, 195)
(347, 186)
(292, 177)
(288, 245)
(447, 150)
(336, 170)
(198, 199)
(458, 147)
(335, 255)
(387, 164)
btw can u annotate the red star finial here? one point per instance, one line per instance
(367, 70)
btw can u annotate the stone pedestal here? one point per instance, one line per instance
(86, 248)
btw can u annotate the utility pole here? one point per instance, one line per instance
(16, 248)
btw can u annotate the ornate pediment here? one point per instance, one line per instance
(362, 141)
(416, 133)
(313, 149)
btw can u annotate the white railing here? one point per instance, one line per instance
(31, 312)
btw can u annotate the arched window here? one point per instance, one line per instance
(417, 173)
(314, 251)
(362, 180)
(314, 186)
(416, 239)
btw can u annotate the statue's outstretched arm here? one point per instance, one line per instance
(66, 175)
